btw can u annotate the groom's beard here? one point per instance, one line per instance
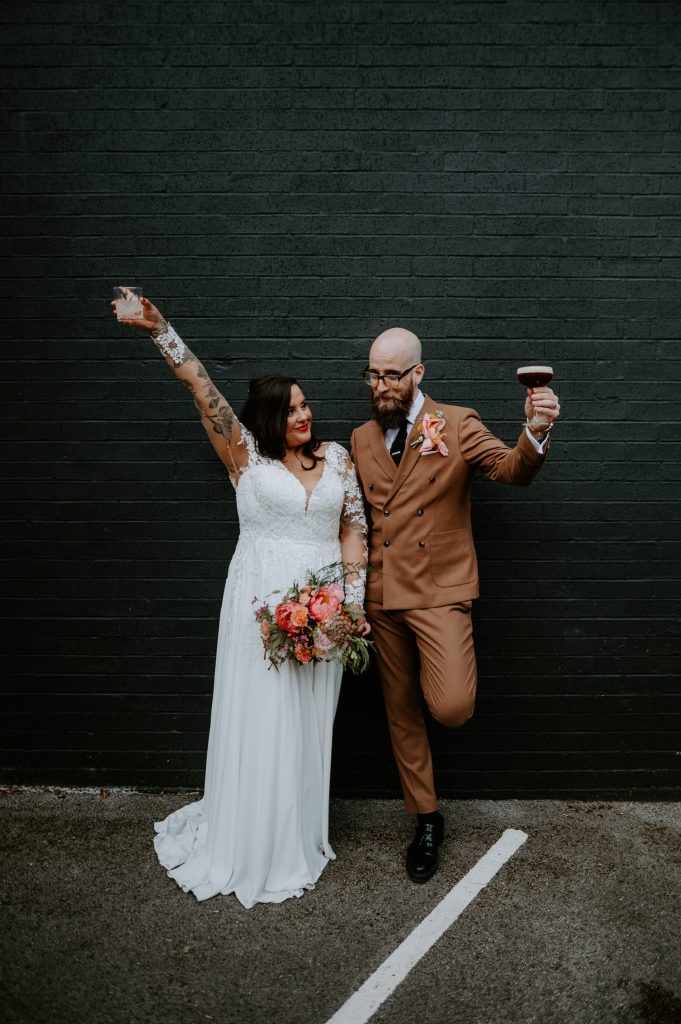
(391, 411)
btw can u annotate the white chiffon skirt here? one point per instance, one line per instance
(260, 830)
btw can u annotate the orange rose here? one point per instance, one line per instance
(291, 617)
(303, 654)
(298, 615)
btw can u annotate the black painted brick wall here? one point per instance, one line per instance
(285, 180)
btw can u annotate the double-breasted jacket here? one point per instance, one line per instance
(421, 551)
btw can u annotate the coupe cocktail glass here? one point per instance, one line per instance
(535, 376)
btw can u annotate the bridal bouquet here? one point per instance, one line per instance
(313, 622)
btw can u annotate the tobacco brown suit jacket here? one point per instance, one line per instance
(421, 551)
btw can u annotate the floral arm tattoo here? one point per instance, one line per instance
(216, 413)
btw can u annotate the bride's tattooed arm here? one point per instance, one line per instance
(217, 415)
(215, 411)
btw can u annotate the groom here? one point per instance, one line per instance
(415, 460)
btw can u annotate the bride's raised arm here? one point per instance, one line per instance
(217, 415)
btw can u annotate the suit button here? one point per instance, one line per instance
(385, 512)
(420, 512)
(422, 543)
(431, 480)
(386, 543)
(371, 487)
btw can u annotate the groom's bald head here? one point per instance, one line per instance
(396, 345)
(396, 351)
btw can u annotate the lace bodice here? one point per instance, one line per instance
(274, 507)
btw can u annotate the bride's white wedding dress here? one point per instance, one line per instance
(260, 830)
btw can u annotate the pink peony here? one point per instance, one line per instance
(326, 601)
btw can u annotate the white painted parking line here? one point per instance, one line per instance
(366, 1000)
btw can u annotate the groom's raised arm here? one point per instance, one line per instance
(482, 450)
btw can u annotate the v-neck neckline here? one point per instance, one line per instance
(308, 494)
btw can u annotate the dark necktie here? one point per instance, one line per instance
(397, 447)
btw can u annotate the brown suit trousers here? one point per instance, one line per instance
(423, 653)
(423, 576)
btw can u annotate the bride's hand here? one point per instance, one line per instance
(362, 627)
(152, 317)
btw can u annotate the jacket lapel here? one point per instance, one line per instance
(411, 455)
(380, 452)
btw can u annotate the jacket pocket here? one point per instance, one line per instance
(452, 558)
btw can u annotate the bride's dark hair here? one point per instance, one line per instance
(265, 413)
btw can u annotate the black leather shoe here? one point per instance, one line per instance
(422, 852)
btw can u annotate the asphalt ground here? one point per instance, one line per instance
(582, 924)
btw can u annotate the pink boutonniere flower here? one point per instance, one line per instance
(430, 435)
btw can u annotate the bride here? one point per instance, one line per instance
(260, 830)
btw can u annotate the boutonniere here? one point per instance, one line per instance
(430, 434)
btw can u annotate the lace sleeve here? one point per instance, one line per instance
(252, 456)
(169, 342)
(353, 527)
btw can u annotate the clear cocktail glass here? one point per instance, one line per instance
(128, 302)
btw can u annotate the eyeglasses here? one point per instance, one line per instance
(372, 378)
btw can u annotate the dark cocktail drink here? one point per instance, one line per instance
(535, 376)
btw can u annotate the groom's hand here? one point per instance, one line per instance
(544, 401)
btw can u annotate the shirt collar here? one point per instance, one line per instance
(415, 407)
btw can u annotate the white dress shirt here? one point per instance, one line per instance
(415, 409)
